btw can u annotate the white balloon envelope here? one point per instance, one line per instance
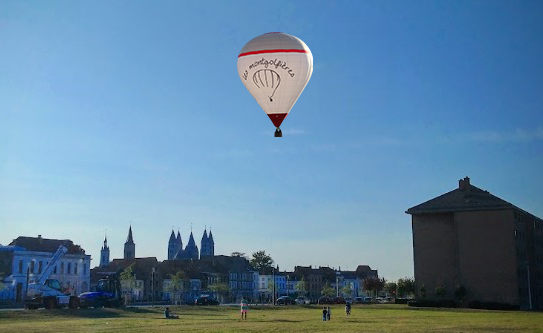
(275, 68)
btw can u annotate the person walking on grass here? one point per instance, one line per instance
(324, 313)
(328, 313)
(244, 309)
(348, 308)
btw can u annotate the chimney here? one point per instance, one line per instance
(464, 184)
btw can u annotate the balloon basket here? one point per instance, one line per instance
(278, 133)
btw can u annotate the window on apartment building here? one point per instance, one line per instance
(84, 269)
(40, 267)
(61, 268)
(69, 268)
(32, 264)
(75, 268)
(20, 266)
(55, 270)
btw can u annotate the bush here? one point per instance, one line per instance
(402, 300)
(492, 306)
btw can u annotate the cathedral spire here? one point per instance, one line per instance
(129, 239)
(129, 246)
(104, 253)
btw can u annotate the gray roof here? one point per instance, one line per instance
(465, 198)
(46, 245)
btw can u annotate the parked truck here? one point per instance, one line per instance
(47, 293)
(107, 294)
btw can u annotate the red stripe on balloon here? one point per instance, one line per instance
(273, 51)
(277, 118)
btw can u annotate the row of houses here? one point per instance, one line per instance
(227, 277)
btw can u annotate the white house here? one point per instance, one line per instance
(26, 258)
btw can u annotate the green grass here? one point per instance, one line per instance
(374, 318)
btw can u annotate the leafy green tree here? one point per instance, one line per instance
(374, 285)
(221, 289)
(301, 287)
(128, 281)
(261, 261)
(406, 287)
(422, 291)
(177, 286)
(440, 291)
(391, 288)
(328, 291)
(238, 254)
(346, 291)
(460, 293)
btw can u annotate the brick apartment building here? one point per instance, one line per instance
(471, 238)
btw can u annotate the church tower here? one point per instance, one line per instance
(211, 244)
(203, 245)
(172, 246)
(104, 254)
(191, 251)
(179, 243)
(129, 246)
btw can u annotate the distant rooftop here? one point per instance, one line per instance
(465, 198)
(40, 244)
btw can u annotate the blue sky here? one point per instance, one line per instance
(124, 112)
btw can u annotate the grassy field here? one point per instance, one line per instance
(374, 318)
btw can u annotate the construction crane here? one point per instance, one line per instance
(47, 293)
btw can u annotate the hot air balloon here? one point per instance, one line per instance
(275, 68)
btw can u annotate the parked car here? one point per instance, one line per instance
(285, 300)
(302, 300)
(383, 300)
(362, 300)
(206, 300)
(338, 300)
(325, 300)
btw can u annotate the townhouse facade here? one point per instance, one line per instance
(24, 260)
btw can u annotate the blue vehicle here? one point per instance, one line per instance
(107, 294)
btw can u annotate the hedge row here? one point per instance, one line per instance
(449, 303)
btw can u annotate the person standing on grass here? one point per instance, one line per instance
(244, 309)
(328, 313)
(324, 313)
(348, 308)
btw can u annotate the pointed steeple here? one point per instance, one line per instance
(105, 247)
(211, 237)
(104, 253)
(172, 237)
(129, 239)
(191, 240)
(204, 236)
(129, 246)
(192, 250)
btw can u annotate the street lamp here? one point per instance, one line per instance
(273, 277)
(153, 286)
(337, 284)
(288, 277)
